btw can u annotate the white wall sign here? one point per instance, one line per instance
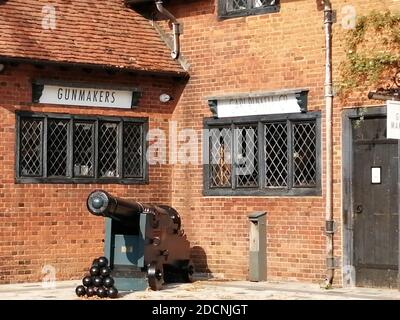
(277, 103)
(393, 119)
(86, 96)
(376, 175)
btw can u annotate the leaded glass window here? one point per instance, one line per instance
(237, 8)
(67, 148)
(264, 156)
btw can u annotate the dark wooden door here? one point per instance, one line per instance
(375, 204)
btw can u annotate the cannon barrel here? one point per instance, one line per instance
(101, 203)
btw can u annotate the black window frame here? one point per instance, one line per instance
(71, 178)
(223, 14)
(261, 190)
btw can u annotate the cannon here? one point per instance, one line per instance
(144, 243)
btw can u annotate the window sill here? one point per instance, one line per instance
(81, 181)
(297, 192)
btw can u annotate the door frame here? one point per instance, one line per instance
(348, 270)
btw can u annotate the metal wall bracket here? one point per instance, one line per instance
(213, 104)
(135, 98)
(302, 100)
(37, 91)
(333, 263)
(330, 226)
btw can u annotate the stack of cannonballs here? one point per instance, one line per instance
(99, 282)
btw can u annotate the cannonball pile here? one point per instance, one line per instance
(98, 282)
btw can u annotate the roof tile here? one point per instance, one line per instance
(86, 32)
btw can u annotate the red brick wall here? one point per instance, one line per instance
(260, 53)
(48, 223)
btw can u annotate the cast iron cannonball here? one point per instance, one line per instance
(95, 263)
(108, 282)
(91, 291)
(87, 281)
(94, 271)
(112, 292)
(103, 262)
(105, 271)
(101, 292)
(97, 281)
(80, 291)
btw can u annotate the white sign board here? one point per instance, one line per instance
(393, 119)
(89, 97)
(251, 106)
(376, 175)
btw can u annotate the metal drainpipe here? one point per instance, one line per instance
(175, 28)
(328, 21)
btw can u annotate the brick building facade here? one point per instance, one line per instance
(261, 53)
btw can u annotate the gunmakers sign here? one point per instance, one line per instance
(75, 95)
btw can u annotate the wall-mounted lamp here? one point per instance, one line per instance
(164, 98)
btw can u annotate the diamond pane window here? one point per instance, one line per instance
(246, 162)
(108, 150)
(133, 151)
(30, 147)
(263, 3)
(84, 149)
(72, 149)
(304, 154)
(220, 157)
(276, 155)
(237, 8)
(234, 5)
(57, 144)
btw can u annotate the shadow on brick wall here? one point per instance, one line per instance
(199, 258)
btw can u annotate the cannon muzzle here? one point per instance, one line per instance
(101, 203)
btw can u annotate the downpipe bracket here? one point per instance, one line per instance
(330, 227)
(332, 263)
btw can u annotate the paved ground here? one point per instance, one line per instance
(206, 290)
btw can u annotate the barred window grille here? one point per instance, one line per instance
(57, 144)
(246, 163)
(220, 157)
(133, 150)
(63, 149)
(276, 155)
(304, 155)
(84, 149)
(265, 157)
(246, 7)
(31, 141)
(108, 149)
(234, 5)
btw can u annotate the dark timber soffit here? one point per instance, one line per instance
(111, 68)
